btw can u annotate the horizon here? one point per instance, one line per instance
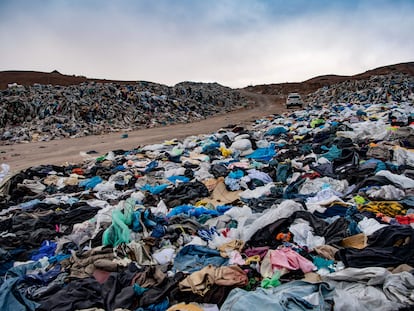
(184, 81)
(233, 43)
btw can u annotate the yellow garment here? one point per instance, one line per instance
(170, 142)
(298, 137)
(225, 152)
(252, 259)
(388, 208)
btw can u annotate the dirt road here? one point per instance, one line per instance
(21, 156)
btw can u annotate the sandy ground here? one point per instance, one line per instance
(21, 156)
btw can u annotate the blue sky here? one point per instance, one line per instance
(232, 42)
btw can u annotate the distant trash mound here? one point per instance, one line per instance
(377, 89)
(46, 112)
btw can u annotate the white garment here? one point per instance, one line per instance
(164, 256)
(402, 156)
(283, 210)
(318, 184)
(5, 168)
(303, 234)
(321, 199)
(400, 180)
(257, 192)
(387, 192)
(369, 225)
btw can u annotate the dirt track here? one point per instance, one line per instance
(21, 156)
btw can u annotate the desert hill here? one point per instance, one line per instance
(28, 78)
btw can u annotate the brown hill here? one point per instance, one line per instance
(27, 78)
(311, 85)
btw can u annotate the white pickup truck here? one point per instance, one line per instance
(294, 99)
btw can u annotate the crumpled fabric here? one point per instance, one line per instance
(303, 235)
(199, 282)
(399, 180)
(10, 295)
(263, 154)
(295, 295)
(193, 258)
(284, 258)
(387, 193)
(318, 184)
(400, 288)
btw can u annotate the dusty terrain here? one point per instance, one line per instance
(21, 156)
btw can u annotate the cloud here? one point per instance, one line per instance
(235, 43)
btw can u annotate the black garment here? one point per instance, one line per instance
(158, 293)
(333, 233)
(78, 294)
(343, 167)
(216, 294)
(185, 193)
(374, 181)
(261, 204)
(388, 247)
(117, 291)
(218, 170)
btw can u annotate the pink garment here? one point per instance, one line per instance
(291, 260)
(235, 258)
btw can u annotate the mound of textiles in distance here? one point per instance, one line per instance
(46, 112)
(309, 210)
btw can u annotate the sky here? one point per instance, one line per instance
(233, 42)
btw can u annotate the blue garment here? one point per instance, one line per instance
(11, 298)
(176, 178)
(283, 172)
(292, 190)
(333, 153)
(44, 277)
(142, 217)
(276, 131)
(154, 189)
(29, 204)
(210, 147)
(118, 168)
(288, 296)
(47, 249)
(58, 258)
(90, 183)
(232, 183)
(237, 174)
(223, 208)
(150, 166)
(191, 210)
(192, 258)
(263, 154)
(335, 210)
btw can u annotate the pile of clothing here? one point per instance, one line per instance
(46, 112)
(308, 210)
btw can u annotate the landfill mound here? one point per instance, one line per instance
(379, 89)
(45, 112)
(313, 84)
(310, 209)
